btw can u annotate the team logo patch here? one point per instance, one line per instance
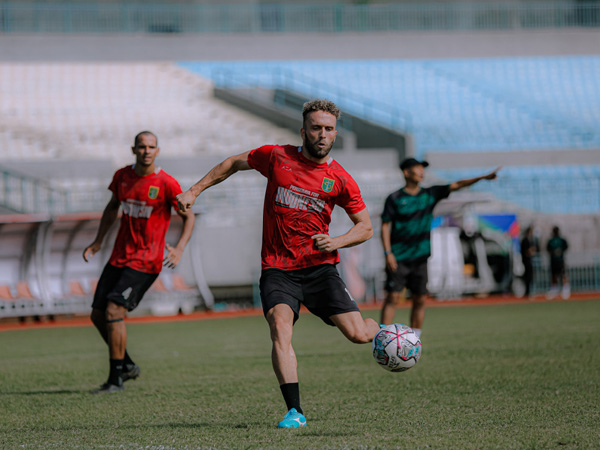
(153, 192)
(327, 184)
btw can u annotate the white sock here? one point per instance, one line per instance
(417, 332)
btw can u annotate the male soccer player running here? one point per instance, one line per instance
(298, 255)
(146, 194)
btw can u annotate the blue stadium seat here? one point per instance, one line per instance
(501, 104)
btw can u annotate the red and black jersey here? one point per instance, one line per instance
(146, 202)
(299, 199)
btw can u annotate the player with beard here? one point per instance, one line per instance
(298, 254)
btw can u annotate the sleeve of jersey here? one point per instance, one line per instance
(259, 159)
(388, 210)
(173, 190)
(440, 192)
(350, 199)
(114, 183)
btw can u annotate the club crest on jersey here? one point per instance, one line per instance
(153, 192)
(327, 184)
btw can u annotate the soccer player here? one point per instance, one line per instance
(146, 194)
(405, 234)
(298, 254)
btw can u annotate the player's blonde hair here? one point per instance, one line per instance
(320, 105)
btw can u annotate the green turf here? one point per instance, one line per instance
(521, 376)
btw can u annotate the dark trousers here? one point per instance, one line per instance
(528, 276)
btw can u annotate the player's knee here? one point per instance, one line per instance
(419, 300)
(394, 298)
(281, 327)
(114, 312)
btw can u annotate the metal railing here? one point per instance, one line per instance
(28, 195)
(585, 278)
(101, 17)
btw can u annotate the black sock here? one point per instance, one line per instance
(127, 360)
(116, 370)
(291, 395)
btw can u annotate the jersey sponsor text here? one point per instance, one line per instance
(295, 200)
(136, 209)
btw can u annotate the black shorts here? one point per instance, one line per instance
(123, 286)
(319, 288)
(412, 276)
(557, 268)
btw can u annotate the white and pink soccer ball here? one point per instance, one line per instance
(396, 347)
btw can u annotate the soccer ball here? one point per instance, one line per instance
(396, 347)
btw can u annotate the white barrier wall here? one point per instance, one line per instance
(42, 271)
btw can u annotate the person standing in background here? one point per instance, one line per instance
(406, 237)
(556, 247)
(529, 250)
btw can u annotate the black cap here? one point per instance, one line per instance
(410, 162)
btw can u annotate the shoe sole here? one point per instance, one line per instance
(291, 424)
(112, 390)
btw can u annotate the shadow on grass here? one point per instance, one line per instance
(61, 392)
(324, 433)
(168, 426)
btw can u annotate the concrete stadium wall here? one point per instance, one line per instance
(288, 46)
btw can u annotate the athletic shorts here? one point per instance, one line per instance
(412, 276)
(123, 286)
(557, 268)
(320, 289)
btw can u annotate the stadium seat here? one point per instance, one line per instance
(170, 295)
(504, 104)
(6, 293)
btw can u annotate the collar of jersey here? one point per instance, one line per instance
(156, 171)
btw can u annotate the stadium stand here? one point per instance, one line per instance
(81, 111)
(481, 104)
(500, 105)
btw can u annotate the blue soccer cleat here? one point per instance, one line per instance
(293, 419)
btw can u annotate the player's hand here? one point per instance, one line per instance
(173, 257)
(185, 200)
(391, 263)
(90, 251)
(492, 175)
(324, 243)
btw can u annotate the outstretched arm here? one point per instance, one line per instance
(174, 253)
(109, 216)
(359, 233)
(219, 173)
(466, 183)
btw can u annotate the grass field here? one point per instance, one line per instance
(522, 376)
